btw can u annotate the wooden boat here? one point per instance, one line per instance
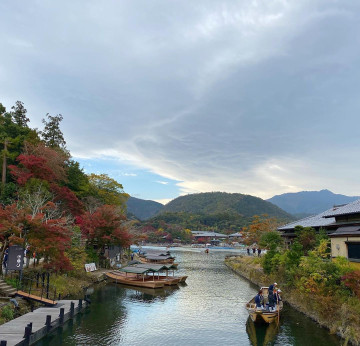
(158, 268)
(135, 277)
(158, 259)
(258, 315)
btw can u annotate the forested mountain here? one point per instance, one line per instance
(309, 202)
(222, 202)
(215, 211)
(143, 209)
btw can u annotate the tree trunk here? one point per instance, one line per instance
(3, 178)
(2, 254)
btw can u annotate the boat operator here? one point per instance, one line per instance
(259, 300)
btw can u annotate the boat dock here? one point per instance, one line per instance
(31, 327)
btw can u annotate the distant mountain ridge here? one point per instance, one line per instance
(143, 209)
(219, 202)
(310, 202)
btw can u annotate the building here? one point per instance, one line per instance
(345, 241)
(342, 223)
(208, 236)
(316, 221)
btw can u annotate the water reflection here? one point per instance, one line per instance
(261, 334)
(208, 310)
(145, 294)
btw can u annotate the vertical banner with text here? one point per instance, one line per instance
(16, 258)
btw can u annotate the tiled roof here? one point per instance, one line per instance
(310, 221)
(351, 208)
(348, 230)
(208, 234)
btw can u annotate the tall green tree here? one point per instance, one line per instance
(18, 114)
(52, 134)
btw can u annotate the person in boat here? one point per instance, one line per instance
(259, 252)
(272, 287)
(271, 296)
(248, 251)
(259, 300)
(254, 250)
(277, 296)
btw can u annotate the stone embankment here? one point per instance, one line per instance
(329, 312)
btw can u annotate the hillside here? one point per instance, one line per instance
(309, 202)
(222, 202)
(143, 209)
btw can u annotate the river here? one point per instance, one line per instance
(208, 310)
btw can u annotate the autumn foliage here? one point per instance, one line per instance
(45, 195)
(104, 227)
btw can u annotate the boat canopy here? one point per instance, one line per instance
(135, 270)
(155, 267)
(158, 257)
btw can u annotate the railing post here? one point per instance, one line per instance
(48, 322)
(80, 304)
(72, 308)
(3, 343)
(28, 330)
(48, 285)
(61, 316)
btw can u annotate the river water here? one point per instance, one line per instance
(207, 310)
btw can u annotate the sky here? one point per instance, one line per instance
(178, 97)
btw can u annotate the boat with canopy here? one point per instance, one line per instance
(134, 276)
(159, 268)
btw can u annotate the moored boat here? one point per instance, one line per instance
(161, 268)
(158, 259)
(135, 277)
(264, 315)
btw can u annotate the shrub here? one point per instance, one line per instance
(7, 313)
(352, 281)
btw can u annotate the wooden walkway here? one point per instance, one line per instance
(35, 298)
(13, 331)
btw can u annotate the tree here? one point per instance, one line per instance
(77, 180)
(18, 114)
(306, 237)
(52, 134)
(11, 229)
(258, 226)
(104, 227)
(271, 240)
(107, 190)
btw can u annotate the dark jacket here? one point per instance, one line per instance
(258, 299)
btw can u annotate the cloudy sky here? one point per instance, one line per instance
(176, 97)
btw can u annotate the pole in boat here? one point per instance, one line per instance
(277, 298)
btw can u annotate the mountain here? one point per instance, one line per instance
(143, 209)
(222, 202)
(309, 202)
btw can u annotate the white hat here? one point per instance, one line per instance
(275, 283)
(279, 290)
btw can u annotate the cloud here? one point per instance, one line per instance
(252, 97)
(163, 182)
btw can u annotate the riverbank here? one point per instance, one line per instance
(66, 286)
(329, 311)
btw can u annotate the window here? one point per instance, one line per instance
(354, 251)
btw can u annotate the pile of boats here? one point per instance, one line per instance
(151, 271)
